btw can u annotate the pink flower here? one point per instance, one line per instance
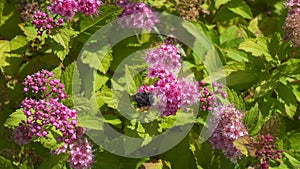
(166, 56)
(66, 8)
(22, 134)
(88, 7)
(42, 22)
(80, 154)
(226, 127)
(137, 15)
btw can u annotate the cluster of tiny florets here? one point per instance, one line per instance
(68, 8)
(80, 154)
(44, 84)
(42, 22)
(292, 22)
(41, 114)
(226, 127)
(188, 9)
(45, 109)
(89, 7)
(170, 92)
(292, 3)
(62, 8)
(208, 99)
(22, 134)
(136, 15)
(27, 9)
(79, 151)
(122, 3)
(65, 8)
(268, 151)
(166, 56)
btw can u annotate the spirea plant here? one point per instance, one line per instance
(123, 84)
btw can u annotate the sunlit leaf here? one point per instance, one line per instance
(15, 118)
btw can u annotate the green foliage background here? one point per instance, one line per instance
(262, 76)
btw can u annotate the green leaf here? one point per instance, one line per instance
(237, 55)
(106, 160)
(132, 80)
(50, 141)
(62, 37)
(233, 9)
(70, 78)
(99, 60)
(54, 162)
(29, 31)
(253, 26)
(245, 145)
(6, 163)
(226, 70)
(240, 8)
(266, 86)
(291, 67)
(229, 34)
(89, 26)
(218, 3)
(286, 96)
(253, 120)
(295, 162)
(181, 162)
(257, 47)
(296, 91)
(235, 99)
(106, 96)
(15, 118)
(293, 140)
(203, 154)
(18, 42)
(6, 11)
(105, 62)
(91, 122)
(100, 80)
(4, 52)
(112, 119)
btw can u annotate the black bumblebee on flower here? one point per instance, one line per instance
(143, 99)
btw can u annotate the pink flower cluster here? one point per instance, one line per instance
(63, 8)
(46, 110)
(45, 85)
(89, 7)
(208, 98)
(268, 151)
(166, 56)
(80, 154)
(43, 22)
(68, 8)
(291, 25)
(80, 151)
(171, 93)
(226, 127)
(292, 3)
(22, 134)
(136, 15)
(40, 114)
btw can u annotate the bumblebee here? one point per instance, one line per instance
(143, 99)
